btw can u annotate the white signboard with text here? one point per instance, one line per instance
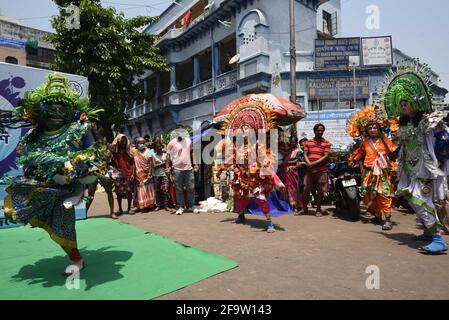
(377, 51)
(335, 123)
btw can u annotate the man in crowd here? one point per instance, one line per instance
(316, 181)
(179, 159)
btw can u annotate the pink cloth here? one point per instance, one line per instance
(380, 163)
(179, 152)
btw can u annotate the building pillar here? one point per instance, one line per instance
(145, 90)
(196, 70)
(216, 58)
(173, 78)
(158, 85)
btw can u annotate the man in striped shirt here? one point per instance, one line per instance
(316, 155)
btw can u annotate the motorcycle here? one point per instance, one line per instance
(346, 183)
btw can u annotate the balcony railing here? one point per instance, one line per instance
(176, 32)
(139, 110)
(224, 81)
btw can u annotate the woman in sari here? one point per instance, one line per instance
(290, 172)
(123, 176)
(144, 186)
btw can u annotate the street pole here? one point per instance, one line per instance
(213, 71)
(292, 52)
(355, 93)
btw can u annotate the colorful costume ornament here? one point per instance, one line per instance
(423, 163)
(58, 157)
(373, 155)
(251, 162)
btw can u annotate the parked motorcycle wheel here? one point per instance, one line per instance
(353, 209)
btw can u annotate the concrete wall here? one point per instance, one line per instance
(19, 54)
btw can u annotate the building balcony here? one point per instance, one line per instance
(176, 32)
(223, 82)
(140, 110)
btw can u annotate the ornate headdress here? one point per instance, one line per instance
(410, 82)
(33, 107)
(356, 126)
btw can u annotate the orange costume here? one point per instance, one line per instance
(377, 189)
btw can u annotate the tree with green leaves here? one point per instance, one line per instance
(110, 51)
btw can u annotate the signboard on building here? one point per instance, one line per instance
(377, 51)
(335, 123)
(12, 43)
(338, 88)
(335, 53)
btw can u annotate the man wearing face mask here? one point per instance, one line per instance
(179, 158)
(144, 187)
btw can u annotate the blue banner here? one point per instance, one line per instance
(329, 115)
(12, 43)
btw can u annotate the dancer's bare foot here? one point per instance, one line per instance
(74, 268)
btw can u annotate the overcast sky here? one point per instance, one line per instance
(418, 27)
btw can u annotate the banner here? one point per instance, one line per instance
(12, 43)
(15, 80)
(335, 123)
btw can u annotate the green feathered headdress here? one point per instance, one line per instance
(410, 82)
(56, 89)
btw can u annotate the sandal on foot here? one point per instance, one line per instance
(387, 226)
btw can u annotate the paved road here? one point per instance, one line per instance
(307, 258)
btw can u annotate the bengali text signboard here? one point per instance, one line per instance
(335, 53)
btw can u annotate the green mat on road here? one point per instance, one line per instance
(122, 262)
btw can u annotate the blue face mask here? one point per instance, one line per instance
(141, 147)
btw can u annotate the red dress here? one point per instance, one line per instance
(123, 175)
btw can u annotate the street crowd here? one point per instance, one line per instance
(152, 175)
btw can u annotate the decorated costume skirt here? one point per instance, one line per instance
(51, 209)
(377, 192)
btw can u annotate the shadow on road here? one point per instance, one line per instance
(402, 239)
(101, 266)
(256, 224)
